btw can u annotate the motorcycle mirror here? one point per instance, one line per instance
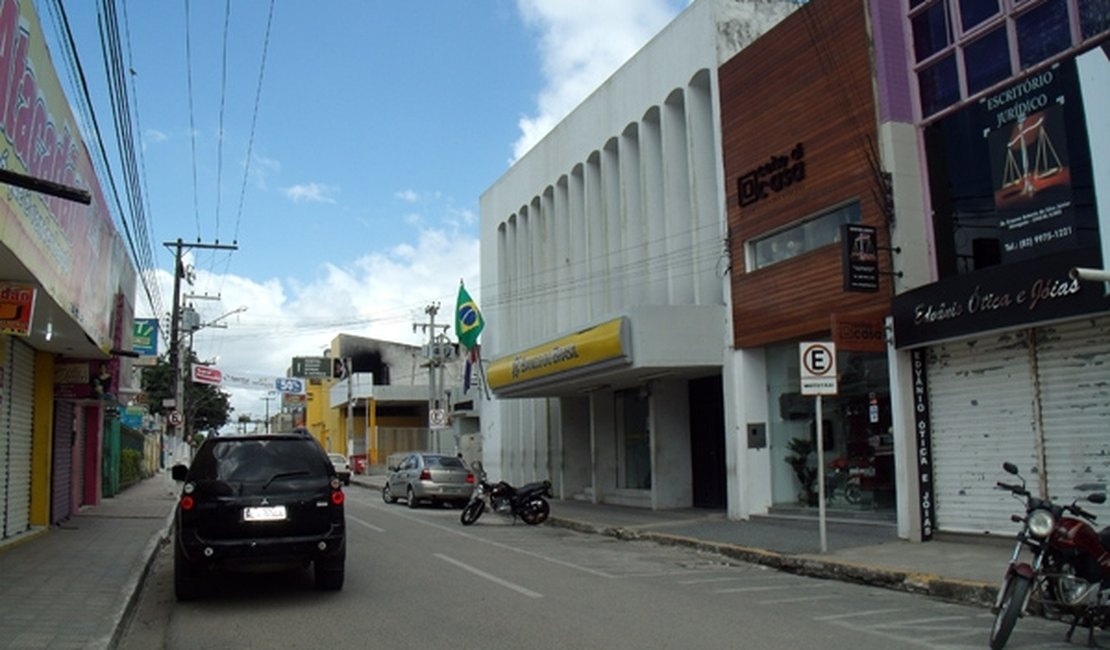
(1010, 468)
(1097, 498)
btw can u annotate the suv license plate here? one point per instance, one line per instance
(264, 513)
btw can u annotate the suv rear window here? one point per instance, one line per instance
(229, 459)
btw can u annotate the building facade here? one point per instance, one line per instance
(810, 204)
(67, 295)
(1003, 355)
(377, 399)
(603, 253)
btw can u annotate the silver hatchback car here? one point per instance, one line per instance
(430, 477)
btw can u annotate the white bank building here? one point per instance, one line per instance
(604, 281)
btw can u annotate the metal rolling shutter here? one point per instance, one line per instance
(1073, 363)
(61, 481)
(5, 432)
(981, 403)
(18, 411)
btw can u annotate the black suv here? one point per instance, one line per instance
(260, 501)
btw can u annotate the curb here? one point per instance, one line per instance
(949, 589)
(131, 588)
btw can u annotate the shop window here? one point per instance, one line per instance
(634, 435)
(803, 237)
(931, 31)
(1094, 17)
(856, 432)
(987, 61)
(1042, 32)
(939, 84)
(974, 12)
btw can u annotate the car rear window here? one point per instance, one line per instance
(450, 462)
(258, 460)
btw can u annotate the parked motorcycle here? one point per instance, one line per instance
(1069, 575)
(526, 502)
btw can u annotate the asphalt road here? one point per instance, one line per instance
(419, 579)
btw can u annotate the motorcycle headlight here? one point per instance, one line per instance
(1041, 523)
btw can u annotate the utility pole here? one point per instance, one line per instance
(269, 398)
(177, 360)
(434, 355)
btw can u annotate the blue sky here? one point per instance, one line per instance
(377, 127)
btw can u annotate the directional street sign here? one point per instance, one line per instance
(818, 368)
(289, 385)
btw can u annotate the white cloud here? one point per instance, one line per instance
(408, 196)
(261, 169)
(311, 192)
(582, 42)
(379, 296)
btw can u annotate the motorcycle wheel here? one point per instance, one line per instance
(852, 494)
(1014, 592)
(471, 512)
(535, 511)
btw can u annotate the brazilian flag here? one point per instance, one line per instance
(468, 320)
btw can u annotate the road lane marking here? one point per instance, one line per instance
(369, 525)
(737, 590)
(492, 578)
(804, 599)
(873, 612)
(707, 580)
(454, 531)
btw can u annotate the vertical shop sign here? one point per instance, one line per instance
(923, 434)
(860, 264)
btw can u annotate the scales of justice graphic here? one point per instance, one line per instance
(1032, 162)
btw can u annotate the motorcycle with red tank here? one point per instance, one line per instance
(1068, 577)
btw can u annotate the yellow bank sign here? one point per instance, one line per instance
(597, 345)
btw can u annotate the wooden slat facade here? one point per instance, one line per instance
(808, 82)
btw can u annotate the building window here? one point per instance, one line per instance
(931, 31)
(1042, 32)
(1094, 17)
(974, 12)
(939, 84)
(987, 61)
(996, 39)
(803, 237)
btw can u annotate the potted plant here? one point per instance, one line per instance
(800, 449)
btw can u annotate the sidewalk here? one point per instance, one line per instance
(72, 586)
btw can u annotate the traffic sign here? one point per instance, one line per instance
(818, 368)
(175, 419)
(437, 419)
(289, 385)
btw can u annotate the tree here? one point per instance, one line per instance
(207, 407)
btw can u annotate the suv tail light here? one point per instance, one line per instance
(337, 497)
(426, 475)
(470, 478)
(187, 502)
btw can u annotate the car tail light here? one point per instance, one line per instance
(426, 475)
(187, 502)
(469, 478)
(337, 497)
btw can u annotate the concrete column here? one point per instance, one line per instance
(634, 249)
(671, 466)
(679, 221)
(651, 173)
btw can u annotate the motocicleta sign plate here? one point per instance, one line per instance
(818, 368)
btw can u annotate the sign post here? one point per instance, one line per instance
(818, 372)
